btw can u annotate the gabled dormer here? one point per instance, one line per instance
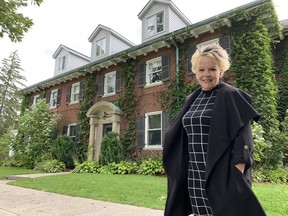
(67, 59)
(106, 42)
(160, 17)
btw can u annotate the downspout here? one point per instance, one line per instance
(177, 65)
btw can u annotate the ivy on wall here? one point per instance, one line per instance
(85, 105)
(253, 69)
(128, 104)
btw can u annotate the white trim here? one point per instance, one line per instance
(210, 42)
(146, 130)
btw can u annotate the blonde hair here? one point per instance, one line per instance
(213, 51)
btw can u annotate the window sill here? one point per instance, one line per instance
(149, 148)
(153, 84)
(108, 95)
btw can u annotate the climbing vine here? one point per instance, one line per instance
(253, 69)
(90, 92)
(128, 103)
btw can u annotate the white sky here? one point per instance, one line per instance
(71, 22)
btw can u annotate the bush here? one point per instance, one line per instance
(5, 141)
(87, 167)
(50, 166)
(63, 149)
(151, 167)
(277, 176)
(123, 167)
(111, 150)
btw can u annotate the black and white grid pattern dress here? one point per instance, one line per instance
(197, 124)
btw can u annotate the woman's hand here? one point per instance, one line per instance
(240, 167)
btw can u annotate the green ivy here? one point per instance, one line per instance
(85, 105)
(128, 103)
(253, 69)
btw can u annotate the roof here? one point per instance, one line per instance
(61, 46)
(172, 6)
(102, 27)
(194, 30)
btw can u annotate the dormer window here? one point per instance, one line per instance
(61, 63)
(101, 47)
(155, 24)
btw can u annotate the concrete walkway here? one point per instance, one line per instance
(29, 202)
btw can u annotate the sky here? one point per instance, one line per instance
(71, 22)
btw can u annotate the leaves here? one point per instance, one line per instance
(13, 23)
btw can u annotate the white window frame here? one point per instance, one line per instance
(100, 47)
(147, 130)
(110, 84)
(35, 99)
(207, 43)
(53, 98)
(75, 90)
(61, 63)
(69, 129)
(154, 68)
(153, 24)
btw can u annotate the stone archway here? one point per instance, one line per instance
(104, 116)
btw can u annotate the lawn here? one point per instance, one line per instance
(7, 171)
(140, 190)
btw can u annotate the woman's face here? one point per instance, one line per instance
(208, 73)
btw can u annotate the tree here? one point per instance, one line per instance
(12, 23)
(35, 134)
(10, 84)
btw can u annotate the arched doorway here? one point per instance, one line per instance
(104, 117)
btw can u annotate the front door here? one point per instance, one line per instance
(107, 128)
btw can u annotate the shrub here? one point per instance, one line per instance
(259, 143)
(151, 167)
(86, 167)
(111, 150)
(50, 166)
(277, 176)
(124, 167)
(63, 149)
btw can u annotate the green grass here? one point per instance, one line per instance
(140, 190)
(7, 171)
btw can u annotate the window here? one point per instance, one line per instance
(153, 133)
(72, 131)
(53, 98)
(35, 100)
(101, 47)
(61, 63)
(207, 43)
(155, 24)
(110, 81)
(154, 71)
(75, 92)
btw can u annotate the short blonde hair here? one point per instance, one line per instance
(213, 51)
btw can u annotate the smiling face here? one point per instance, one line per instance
(208, 72)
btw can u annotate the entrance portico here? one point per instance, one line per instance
(104, 117)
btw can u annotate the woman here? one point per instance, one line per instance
(208, 148)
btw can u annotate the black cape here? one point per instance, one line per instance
(228, 190)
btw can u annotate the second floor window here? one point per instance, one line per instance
(61, 63)
(110, 82)
(155, 24)
(75, 92)
(154, 71)
(101, 47)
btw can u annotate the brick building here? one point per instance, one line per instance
(165, 30)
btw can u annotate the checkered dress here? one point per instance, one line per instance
(197, 124)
